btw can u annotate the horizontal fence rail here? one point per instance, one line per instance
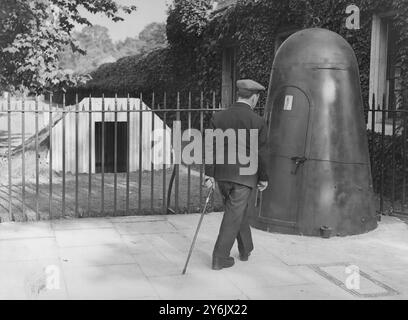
(387, 138)
(94, 157)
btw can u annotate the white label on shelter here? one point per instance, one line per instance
(288, 103)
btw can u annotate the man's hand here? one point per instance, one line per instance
(262, 185)
(209, 182)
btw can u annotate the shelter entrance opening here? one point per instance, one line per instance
(109, 147)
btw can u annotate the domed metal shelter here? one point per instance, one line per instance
(318, 159)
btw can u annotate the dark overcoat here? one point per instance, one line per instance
(239, 116)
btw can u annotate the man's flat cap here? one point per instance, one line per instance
(249, 85)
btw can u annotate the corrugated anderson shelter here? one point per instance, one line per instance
(125, 130)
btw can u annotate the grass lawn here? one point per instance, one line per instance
(147, 206)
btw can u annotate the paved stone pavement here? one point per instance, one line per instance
(142, 258)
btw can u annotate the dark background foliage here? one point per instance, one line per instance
(196, 38)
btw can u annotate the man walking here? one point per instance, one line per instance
(236, 187)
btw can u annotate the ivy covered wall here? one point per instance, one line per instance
(193, 61)
(253, 27)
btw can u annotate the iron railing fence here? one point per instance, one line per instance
(387, 138)
(90, 159)
(59, 167)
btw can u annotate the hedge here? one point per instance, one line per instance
(196, 40)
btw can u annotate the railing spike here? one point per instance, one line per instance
(153, 100)
(141, 101)
(165, 100)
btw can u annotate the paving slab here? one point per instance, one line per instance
(137, 243)
(294, 292)
(81, 224)
(245, 276)
(108, 282)
(171, 253)
(195, 286)
(142, 258)
(99, 255)
(28, 280)
(367, 285)
(154, 264)
(190, 222)
(27, 249)
(25, 230)
(88, 237)
(136, 219)
(145, 227)
(395, 278)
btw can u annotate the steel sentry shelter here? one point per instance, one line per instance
(318, 159)
(136, 126)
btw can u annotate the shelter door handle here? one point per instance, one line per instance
(298, 162)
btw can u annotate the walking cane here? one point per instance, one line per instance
(210, 193)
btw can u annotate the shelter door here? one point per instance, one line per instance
(109, 147)
(287, 139)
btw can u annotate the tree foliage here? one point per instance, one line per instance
(188, 19)
(98, 46)
(33, 34)
(153, 37)
(100, 49)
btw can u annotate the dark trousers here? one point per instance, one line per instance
(235, 223)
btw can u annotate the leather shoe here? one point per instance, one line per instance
(244, 256)
(221, 263)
